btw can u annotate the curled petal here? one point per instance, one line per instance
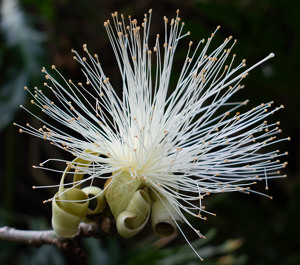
(69, 206)
(120, 191)
(74, 201)
(162, 218)
(83, 164)
(66, 216)
(135, 217)
(98, 196)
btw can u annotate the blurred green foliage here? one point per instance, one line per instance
(20, 48)
(38, 33)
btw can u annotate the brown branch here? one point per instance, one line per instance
(34, 238)
(38, 238)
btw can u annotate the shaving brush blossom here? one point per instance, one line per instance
(160, 149)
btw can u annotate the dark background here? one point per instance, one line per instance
(41, 33)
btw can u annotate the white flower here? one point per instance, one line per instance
(183, 142)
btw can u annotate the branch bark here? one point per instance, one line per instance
(34, 238)
(38, 238)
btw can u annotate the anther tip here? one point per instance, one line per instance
(49, 200)
(272, 54)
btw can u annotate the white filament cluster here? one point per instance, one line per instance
(184, 142)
